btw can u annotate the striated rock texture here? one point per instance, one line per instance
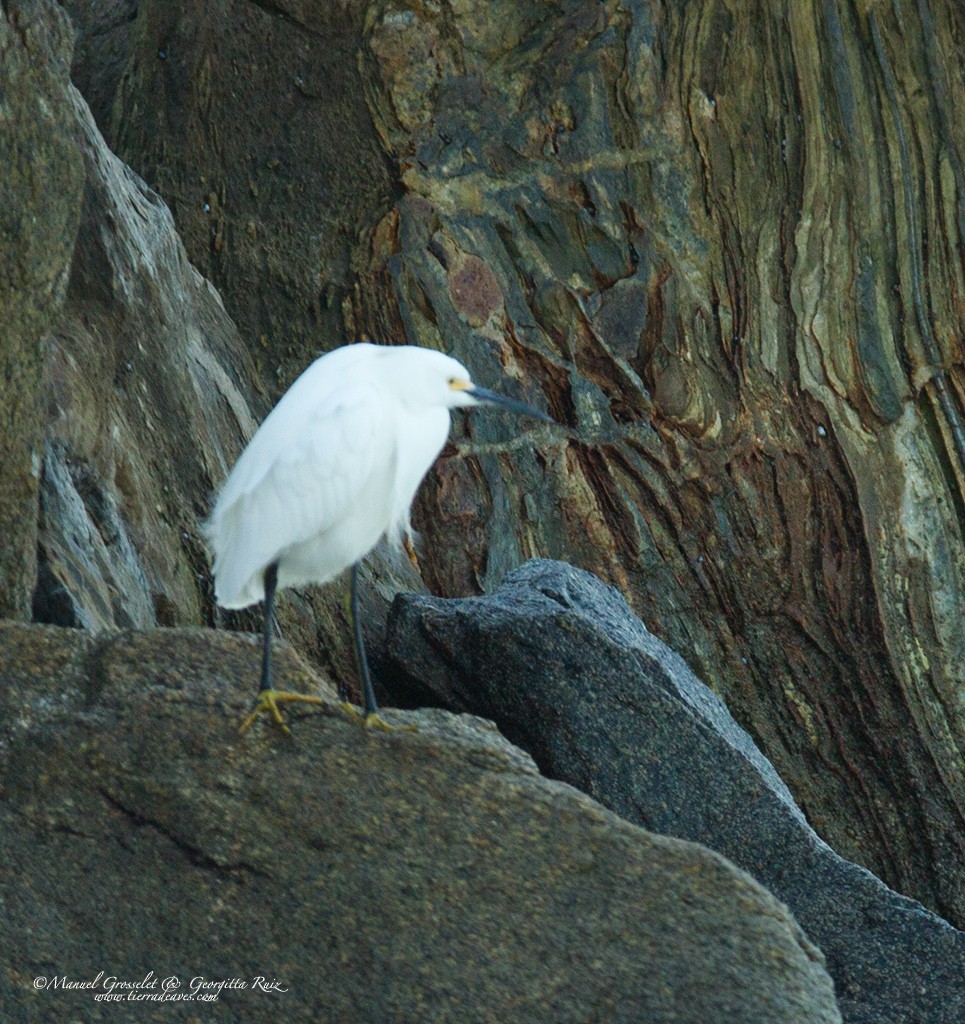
(430, 876)
(564, 668)
(720, 242)
(149, 394)
(250, 120)
(40, 196)
(723, 240)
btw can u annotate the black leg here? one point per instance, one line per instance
(371, 708)
(271, 581)
(268, 697)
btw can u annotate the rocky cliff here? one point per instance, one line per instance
(724, 242)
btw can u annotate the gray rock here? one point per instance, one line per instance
(430, 876)
(90, 574)
(146, 410)
(41, 186)
(559, 662)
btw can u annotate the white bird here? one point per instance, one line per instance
(334, 467)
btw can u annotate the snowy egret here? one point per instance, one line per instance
(334, 467)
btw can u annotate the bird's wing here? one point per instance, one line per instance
(299, 476)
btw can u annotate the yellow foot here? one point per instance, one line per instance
(268, 700)
(374, 720)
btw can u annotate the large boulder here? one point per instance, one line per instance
(428, 876)
(565, 669)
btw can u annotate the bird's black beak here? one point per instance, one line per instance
(494, 398)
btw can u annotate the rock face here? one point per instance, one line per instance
(150, 390)
(705, 232)
(721, 242)
(740, 293)
(40, 195)
(146, 394)
(566, 670)
(250, 119)
(125, 390)
(422, 877)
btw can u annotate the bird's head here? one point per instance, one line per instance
(449, 382)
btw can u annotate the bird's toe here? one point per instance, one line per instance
(373, 720)
(268, 700)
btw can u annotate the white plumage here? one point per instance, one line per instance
(335, 465)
